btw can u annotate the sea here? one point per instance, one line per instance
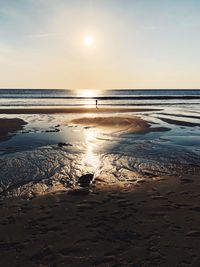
(10, 98)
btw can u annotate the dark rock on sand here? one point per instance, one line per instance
(85, 180)
(87, 127)
(64, 144)
(53, 131)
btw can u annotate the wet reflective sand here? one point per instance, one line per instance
(53, 151)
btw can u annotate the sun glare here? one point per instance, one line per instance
(89, 96)
(88, 40)
(87, 93)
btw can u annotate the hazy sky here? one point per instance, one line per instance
(136, 44)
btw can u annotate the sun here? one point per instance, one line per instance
(87, 93)
(88, 40)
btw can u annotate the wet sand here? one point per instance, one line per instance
(10, 126)
(128, 124)
(72, 110)
(156, 224)
(131, 124)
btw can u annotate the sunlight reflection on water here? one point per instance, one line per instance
(91, 159)
(89, 103)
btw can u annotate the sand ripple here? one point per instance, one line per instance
(52, 168)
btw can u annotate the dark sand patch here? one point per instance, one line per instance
(178, 122)
(157, 224)
(10, 126)
(117, 124)
(72, 110)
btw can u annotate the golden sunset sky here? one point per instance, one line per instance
(99, 44)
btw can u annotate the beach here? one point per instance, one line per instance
(99, 133)
(156, 224)
(106, 186)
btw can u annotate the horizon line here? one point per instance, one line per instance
(98, 89)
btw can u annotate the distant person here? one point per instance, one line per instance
(96, 103)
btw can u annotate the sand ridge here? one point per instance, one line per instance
(129, 124)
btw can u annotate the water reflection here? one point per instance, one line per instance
(91, 159)
(89, 103)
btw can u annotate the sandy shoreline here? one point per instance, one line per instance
(154, 225)
(72, 110)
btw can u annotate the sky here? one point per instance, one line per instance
(136, 44)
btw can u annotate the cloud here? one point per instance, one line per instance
(41, 35)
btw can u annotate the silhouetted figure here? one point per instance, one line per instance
(96, 103)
